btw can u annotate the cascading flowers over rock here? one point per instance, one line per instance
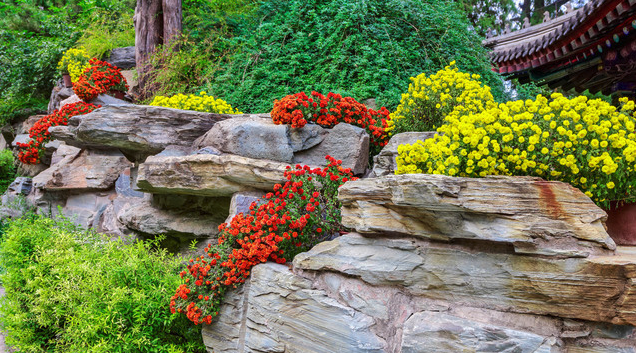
(296, 216)
(431, 98)
(587, 143)
(327, 111)
(32, 152)
(100, 78)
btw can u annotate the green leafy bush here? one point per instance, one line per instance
(107, 31)
(362, 48)
(7, 169)
(69, 290)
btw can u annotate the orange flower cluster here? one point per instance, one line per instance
(293, 218)
(298, 109)
(31, 152)
(100, 78)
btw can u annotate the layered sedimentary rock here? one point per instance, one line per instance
(530, 214)
(345, 142)
(94, 170)
(208, 175)
(137, 130)
(443, 266)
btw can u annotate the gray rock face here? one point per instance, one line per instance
(208, 175)
(284, 314)
(105, 99)
(123, 58)
(530, 214)
(495, 280)
(145, 218)
(241, 202)
(260, 138)
(87, 209)
(137, 130)
(247, 137)
(58, 94)
(385, 162)
(87, 171)
(70, 100)
(438, 332)
(345, 142)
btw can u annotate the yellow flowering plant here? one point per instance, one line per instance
(587, 143)
(74, 62)
(199, 102)
(431, 98)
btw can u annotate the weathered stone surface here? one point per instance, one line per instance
(250, 137)
(533, 215)
(282, 313)
(13, 203)
(241, 202)
(86, 209)
(384, 163)
(64, 151)
(174, 151)
(596, 289)
(129, 75)
(31, 170)
(260, 138)
(306, 137)
(21, 138)
(438, 332)
(123, 58)
(58, 94)
(208, 175)
(70, 100)
(145, 218)
(3, 143)
(90, 170)
(345, 142)
(137, 130)
(106, 99)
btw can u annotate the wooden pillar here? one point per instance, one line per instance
(157, 22)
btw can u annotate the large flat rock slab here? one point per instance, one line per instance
(596, 289)
(279, 311)
(86, 171)
(532, 215)
(208, 174)
(137, 130)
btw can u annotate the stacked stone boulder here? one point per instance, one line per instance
(128, 169)
(443, 264)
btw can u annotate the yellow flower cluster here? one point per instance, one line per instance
(201, 103)
(587, 143)
(75, 62)
(430, 99)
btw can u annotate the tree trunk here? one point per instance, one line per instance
(171, 21)
(157, 22)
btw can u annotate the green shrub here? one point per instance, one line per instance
(7, 169)
(69, 290)
(108, 31)
(362, 48)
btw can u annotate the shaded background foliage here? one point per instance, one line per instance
(33, 36)
(363, 48)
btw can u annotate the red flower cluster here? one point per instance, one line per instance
(100, 78)
(297, 109)
(31, 152)
(296, 216)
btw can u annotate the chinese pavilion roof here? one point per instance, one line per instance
(593, 47)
